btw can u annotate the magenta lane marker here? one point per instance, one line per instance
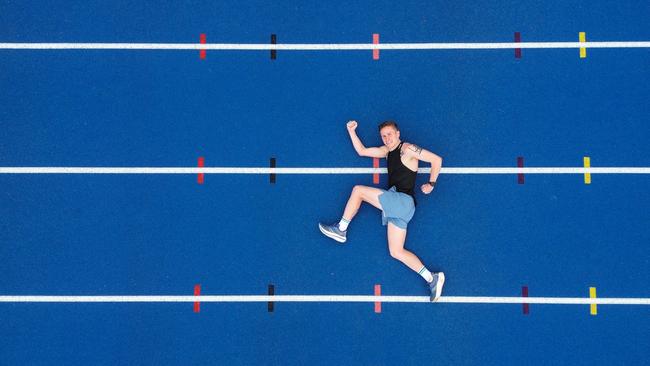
(524, 293)
(201, 165)
(517, 40)
(520, 164)
(274, 40)
(270, 304)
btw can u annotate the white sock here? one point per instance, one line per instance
(343, 224)
(424, 272)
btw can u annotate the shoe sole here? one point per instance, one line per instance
(439, 284)
(330, 235)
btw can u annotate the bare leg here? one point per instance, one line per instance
(361, 194)
(396, 239)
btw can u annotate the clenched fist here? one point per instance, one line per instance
(352, 125)
(426, 188)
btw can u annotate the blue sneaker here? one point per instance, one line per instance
(332, 231)
(436, 286)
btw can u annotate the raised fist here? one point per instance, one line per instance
(352, 125)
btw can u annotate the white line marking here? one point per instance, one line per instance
(317, 46)
(330, 298)
(265, 170)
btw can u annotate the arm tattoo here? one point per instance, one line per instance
(415, 148)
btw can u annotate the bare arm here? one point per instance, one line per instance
(421, 154)
(371, 152)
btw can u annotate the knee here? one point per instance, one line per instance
(397, 254)
(357, 190)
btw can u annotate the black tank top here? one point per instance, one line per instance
(399, 175)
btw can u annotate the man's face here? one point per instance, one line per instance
(390, 137)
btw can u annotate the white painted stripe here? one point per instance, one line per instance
(266, 170)
(318, 46)
(330, 298)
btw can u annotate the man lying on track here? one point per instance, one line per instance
(398, 202)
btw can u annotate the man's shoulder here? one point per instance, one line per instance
(411, 148)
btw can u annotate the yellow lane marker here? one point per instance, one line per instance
(587, 163)
(583, 51)
(592, 295)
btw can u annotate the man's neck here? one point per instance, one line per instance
(396, 146)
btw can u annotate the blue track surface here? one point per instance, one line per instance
(161, 234)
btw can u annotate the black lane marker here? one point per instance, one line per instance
(520, 164)
(517, 40)
(274, 40)
(272, 164)
(524, 293)
(270, 303)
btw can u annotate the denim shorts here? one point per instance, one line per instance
(397, 208)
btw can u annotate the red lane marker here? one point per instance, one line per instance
(524, 293)
(517, 40)
(375, 40)
(520, 164)
(201, 164)
(197, 292)
(378, 303)
(203, 41)
(375, 176)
